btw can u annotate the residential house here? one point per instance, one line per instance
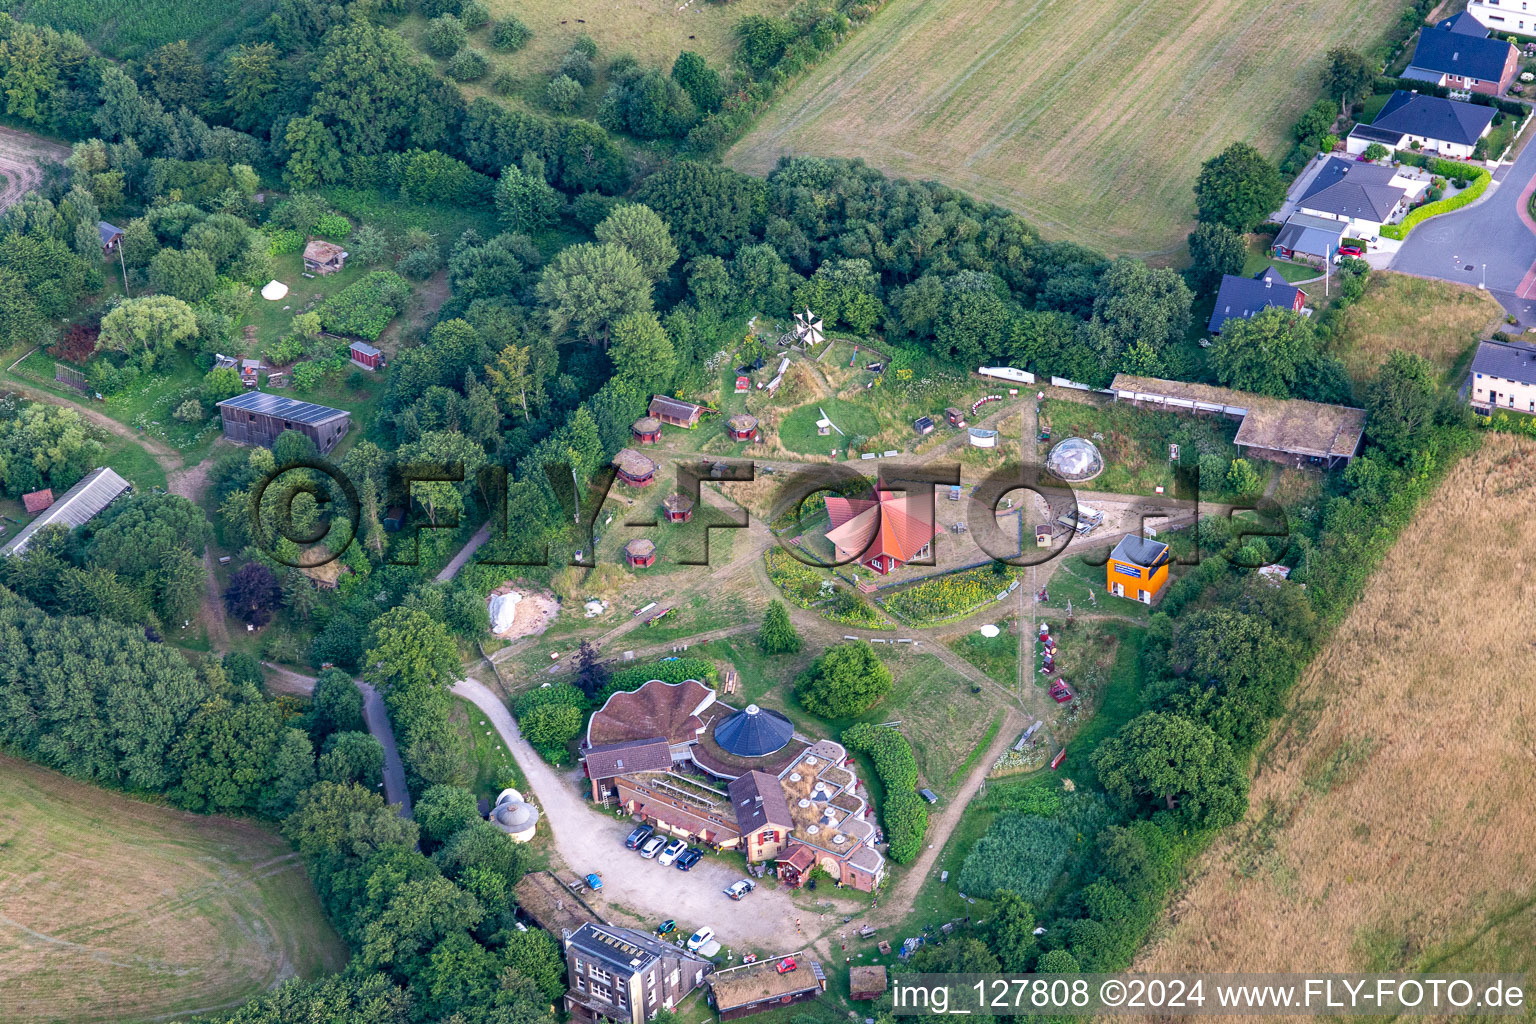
(762, 815)
(1284, 430)
(883, 533)
(1503, 376)
(257, 417)
(1362, 196)
(1241, 298)
(323, 257)
(79, 505)
(626, 975)
(1458, 54)
(1450, 128)
(1504, 16)
(1308, 238)
(761, 986)
(1137, 568)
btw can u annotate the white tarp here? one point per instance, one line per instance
(989, 630)
(503, 610)
(274, 290)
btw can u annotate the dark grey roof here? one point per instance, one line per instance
(625, 948)
(1509, 362)
(1350, 188)
(611, 760)
(1422, 75)
(1460, 53)
(754, 732)
(1370, 133)
(1242, 297)
(758, 800)
(82, 502)
(1434, 118)
(1465, 24)
(283, 408)
(1315, 236)
(1139, 551)
(106, 232)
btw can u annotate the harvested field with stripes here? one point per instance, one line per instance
(1090, 119)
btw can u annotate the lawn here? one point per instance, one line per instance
(798, 430)
(121, 910)
(1438, 320)
(997, 656)
(1259, 258)
(1089, 120)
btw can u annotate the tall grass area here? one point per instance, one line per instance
(128, 29)
(1438, 320)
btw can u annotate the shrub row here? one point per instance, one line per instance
(1422, 213)
(904, 814)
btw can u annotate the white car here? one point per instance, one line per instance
(652, 847)
(672, 851)
(699, 939)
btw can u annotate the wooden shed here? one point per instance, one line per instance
(634, 469)
(678, 508)
(741, 427)
(646, 430)
(323, 257)
(365, 355)
(640, 553)
(674, 411)
(258, 418)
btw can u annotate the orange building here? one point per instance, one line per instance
(1137, 569)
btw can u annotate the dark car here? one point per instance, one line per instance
(638, 836)
(688, 858)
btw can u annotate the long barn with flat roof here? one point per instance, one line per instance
(258, 418)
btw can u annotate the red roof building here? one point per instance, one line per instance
(883, 534)
(37, 501)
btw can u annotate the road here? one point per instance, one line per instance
(588, 839)
(1495, 231)
(374, 713)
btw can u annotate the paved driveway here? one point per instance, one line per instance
(590, 839)
(1455, 246)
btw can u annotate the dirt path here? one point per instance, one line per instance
(22, 157)
(458, 561)
(191, 483)
(375, 714)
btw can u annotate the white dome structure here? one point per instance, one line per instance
(503, 610)
(274, 290)
(1075, 460)
(515, 816)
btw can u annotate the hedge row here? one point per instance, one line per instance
(1445, 168)
(904, 814)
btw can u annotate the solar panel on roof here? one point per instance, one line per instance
(284, 408)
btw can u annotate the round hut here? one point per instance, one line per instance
(515, 816)
(639, 553)
(741, 427)
(646, 430)
(754, 732)
(634, 469)
(678, 508)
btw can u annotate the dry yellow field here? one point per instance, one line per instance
(1392, 817)
(1438, 320)
(1089, 117)
(112, 909)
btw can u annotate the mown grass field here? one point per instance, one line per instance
(119, 910)
(1438, 320)
(1392, 812)
(1091, 120)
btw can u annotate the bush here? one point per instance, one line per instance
(504, 84)
(364, 308)
(282, 241)
(333, 226)
(474, 14)
(563, 93)
(847, 680)
(1022, 853)
(444, 36)
(510, 34)
(467, 66)
(550, 717)
(1418, 215)
(190, 411)
(578, 65)
(419, 264)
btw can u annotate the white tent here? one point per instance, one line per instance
(503, 609)
(274, 290)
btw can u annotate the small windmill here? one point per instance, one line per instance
(808, 329)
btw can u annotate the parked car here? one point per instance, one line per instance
(666, 927)
(670, 852)
(739, 890)
(652, 847)
(689, 858)
(1351, 250)
(638, 836)
(700, 939)
(786, 965)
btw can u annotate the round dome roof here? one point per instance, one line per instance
(755, 732)
(1075, 459)
(514, 816)
(507, 794)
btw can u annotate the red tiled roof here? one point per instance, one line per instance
(800, 857)
(656, 709)
(897, 525)
(37, 501)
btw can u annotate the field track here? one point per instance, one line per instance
(1089, 117)
(1392, 814)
